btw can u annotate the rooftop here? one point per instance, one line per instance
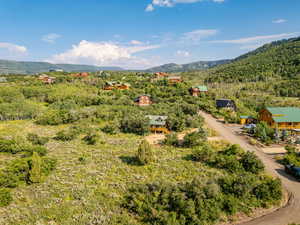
(157, 120)
(285, 114)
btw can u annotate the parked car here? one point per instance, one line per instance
(249, 126)
(293, 170)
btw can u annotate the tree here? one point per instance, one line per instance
(144, 154)
(35, 173)
(133, 123)
(195, 138)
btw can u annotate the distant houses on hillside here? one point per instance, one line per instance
(226, 104)
(197, 90)
(46, 79)
(143, 100)
(115, 85)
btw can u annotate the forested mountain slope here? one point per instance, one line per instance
(279, 59)
(200, 65)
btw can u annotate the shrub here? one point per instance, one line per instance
(171, 139)
(269, 190)
(66, 135)
(194, 139)
(233, 150)
(41, 150)
(5, 197)
(112, 128)
(137, 124)
(35, 173)
(90, 139)
(251, 163)
(204, 153)
(37, 140)
(144, 154)
(13, 145)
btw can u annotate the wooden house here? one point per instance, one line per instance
(226, 104)
(46, 79)
(197, 90)
(158, 124)
(143, 100)
(281, 118)
(116, 86)
(174, 79)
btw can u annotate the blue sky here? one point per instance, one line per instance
(141, 33)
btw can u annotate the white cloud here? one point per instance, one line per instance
(258, 39)
(13, 48)
(149, 8)
(198, 35)
(104, 54)
(279, 21)
(171, 3)
(182, 53)
(51, 38)
(135, 42)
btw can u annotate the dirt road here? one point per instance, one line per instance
(283, 216)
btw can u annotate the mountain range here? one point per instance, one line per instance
(274, 59)
(15, 67)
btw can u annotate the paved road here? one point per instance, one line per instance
(283, 216)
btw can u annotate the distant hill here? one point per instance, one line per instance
(201, 65)
(279, 59)
(15, 67)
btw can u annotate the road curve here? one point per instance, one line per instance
(283, 216)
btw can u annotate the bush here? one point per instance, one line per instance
(66, 135)
(137, 124)
(90, 139)
(111, 128)
(35, 173)
(144, 154)
(13, 145)
(204, 153)
(195, 138)
(5, 197)
(251, 163)
(269, 190)
(171, 140)
(36, 140)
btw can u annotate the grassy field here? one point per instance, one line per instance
(89, 181)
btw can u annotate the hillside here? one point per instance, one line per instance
(173, 67)
(280, 59)
(15, 67)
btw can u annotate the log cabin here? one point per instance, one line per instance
(143, 100)
(281, 118)
(46, 79)
(158, 124)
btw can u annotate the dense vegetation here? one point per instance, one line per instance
(275, 60)
(95, 138)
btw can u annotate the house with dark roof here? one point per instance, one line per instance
(197, 90)
(226, 104)
(282, 118)
(158, 124)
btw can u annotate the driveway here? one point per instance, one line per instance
(283, 216)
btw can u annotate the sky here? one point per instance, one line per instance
(138, 34)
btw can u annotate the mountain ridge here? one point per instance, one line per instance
(28, 67)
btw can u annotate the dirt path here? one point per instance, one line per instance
(283, 216)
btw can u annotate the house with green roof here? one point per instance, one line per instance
(282, 118)
(158, 124)
(196, 90)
